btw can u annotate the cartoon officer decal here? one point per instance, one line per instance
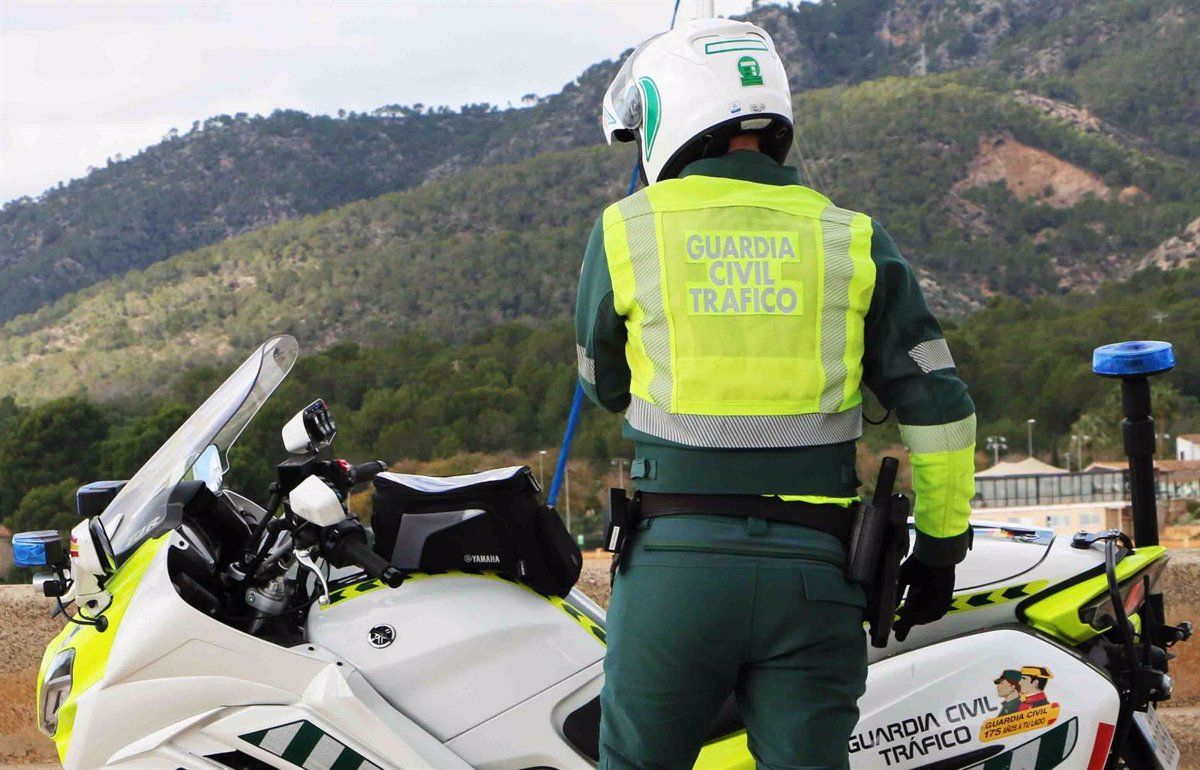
(1033, 686)
(1024, 705)
(1008, 687)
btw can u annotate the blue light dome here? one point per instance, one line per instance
(36, 549)
(1133, 359)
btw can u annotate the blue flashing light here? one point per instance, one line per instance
(1133, 359)
(36, 549)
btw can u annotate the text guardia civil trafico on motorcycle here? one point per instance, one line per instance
(210, 632)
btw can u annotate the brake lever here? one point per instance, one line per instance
(306, 559)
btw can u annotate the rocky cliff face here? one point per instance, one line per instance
(941, 36)
(1176, 252)
(1032, 173)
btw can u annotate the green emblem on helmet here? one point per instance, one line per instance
(750, 71)
(652, 117)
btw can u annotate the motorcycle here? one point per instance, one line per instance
(211, 632)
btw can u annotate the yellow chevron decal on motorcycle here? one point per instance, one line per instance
(363, 587)
(589, 625)
(968, 602)
(352, 591)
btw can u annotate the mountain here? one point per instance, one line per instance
(1129, 68)
(988, 194)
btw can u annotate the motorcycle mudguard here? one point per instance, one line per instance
(996, 699)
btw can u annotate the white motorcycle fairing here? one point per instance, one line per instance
(454, 650)
(474, 671)
(940, 706)
(180, 689)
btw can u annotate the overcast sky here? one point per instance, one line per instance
(80, 82)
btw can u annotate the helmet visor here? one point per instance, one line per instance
(622, 111)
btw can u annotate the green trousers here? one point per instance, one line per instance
(705, 606)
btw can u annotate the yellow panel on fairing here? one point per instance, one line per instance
(91, 647)
(1058, 613)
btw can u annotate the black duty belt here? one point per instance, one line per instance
(832, 519)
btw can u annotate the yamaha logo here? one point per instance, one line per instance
(481, 558)
(381, 636)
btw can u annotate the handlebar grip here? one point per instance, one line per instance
(367, 471)
(358, 553)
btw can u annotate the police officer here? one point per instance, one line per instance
(732, 314)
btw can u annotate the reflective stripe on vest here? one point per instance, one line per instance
(745, 306)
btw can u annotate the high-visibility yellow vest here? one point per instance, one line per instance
(745, 306)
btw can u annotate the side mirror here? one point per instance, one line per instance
(91, 499)
(313, 501)
(209, 469)
(311, 430)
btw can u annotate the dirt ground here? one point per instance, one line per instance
(25, 627)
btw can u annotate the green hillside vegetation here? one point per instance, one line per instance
(426, 405)
(504, 244)
(1135, 63)
(225, 176)
(1033, 359)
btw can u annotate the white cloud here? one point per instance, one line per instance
(80, 82)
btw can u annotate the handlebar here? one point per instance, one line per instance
(373, 564)
(360, 474)
(345, 545)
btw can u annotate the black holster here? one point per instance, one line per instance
(877, 546)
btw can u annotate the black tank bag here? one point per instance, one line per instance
(493, 521)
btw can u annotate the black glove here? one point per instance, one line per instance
(930, 591)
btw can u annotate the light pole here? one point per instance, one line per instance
(1079, 441)
(995, 445)
(542, 468)
(1030, 422)
(620, 463)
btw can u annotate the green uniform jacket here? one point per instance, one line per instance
(906, 364)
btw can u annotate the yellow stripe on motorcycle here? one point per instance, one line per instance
(730, 753)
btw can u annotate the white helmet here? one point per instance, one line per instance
(682, 94)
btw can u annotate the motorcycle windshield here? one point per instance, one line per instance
(139, 511)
